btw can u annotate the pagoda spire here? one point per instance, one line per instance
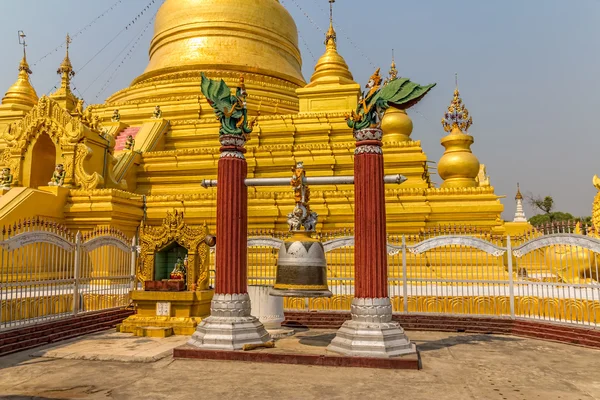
(332, 87)
(22, 92)
(519, 213)
(64, 95)
(331, 36)
(331, 67)
(393, 72)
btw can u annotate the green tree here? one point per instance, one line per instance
(549, 215)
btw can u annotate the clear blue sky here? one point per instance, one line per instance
(528, 71)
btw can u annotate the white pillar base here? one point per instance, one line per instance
(230, 325)
(371, 332)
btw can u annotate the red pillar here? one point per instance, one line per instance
(370, 241)
(232, 218)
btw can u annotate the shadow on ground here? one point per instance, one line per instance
(27, 398)
(318, 340)
(431, 345)
(323, 340)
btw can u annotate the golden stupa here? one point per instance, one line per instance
(176, 134)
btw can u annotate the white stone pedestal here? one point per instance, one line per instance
(371, 332)
(230, 325)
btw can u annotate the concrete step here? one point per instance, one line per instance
(543, 330)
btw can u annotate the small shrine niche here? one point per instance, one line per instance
(173, 252)
(169, 261)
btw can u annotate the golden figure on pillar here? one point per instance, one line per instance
(301, 216)
(116, 117)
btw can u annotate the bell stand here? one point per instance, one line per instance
(312, 181)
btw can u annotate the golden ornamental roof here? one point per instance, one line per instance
(457, 116)
(22, 92)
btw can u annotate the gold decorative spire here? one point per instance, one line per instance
(63, 95)
(66, 68)
(519, 196)
(21, 92)
(457, 116)
(331, 67)
(331, 36)
(393, 73)
(458, 167)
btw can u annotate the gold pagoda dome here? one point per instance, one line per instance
(21, 92)
(224, 39)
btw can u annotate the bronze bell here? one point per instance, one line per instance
(301, 268)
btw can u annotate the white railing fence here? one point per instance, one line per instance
(47, 272)
(550, 275)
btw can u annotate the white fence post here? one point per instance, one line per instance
(404, 275)
(511, 283)
(133, 260)
(76, 273)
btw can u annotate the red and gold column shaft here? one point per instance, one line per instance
(370, 241)
(232, 218)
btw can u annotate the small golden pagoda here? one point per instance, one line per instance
(176, 148)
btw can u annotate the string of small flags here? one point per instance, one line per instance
(125, 58)
(307, 48)
(129, 25)
(343, 32)
(82, 30)
(133, 21)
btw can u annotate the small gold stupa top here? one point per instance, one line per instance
(393, 72)
(519, 196)
(66, 68)
(457, 116)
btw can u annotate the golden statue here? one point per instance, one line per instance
(6, 179)
(58, 176)
(179, 269)
(157, 113)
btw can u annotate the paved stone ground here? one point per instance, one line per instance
(455, 366)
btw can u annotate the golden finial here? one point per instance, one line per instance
(66, 68)
(457, 115)
(24, 66)
(331, 36)
(519, 196)
(393, 73)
